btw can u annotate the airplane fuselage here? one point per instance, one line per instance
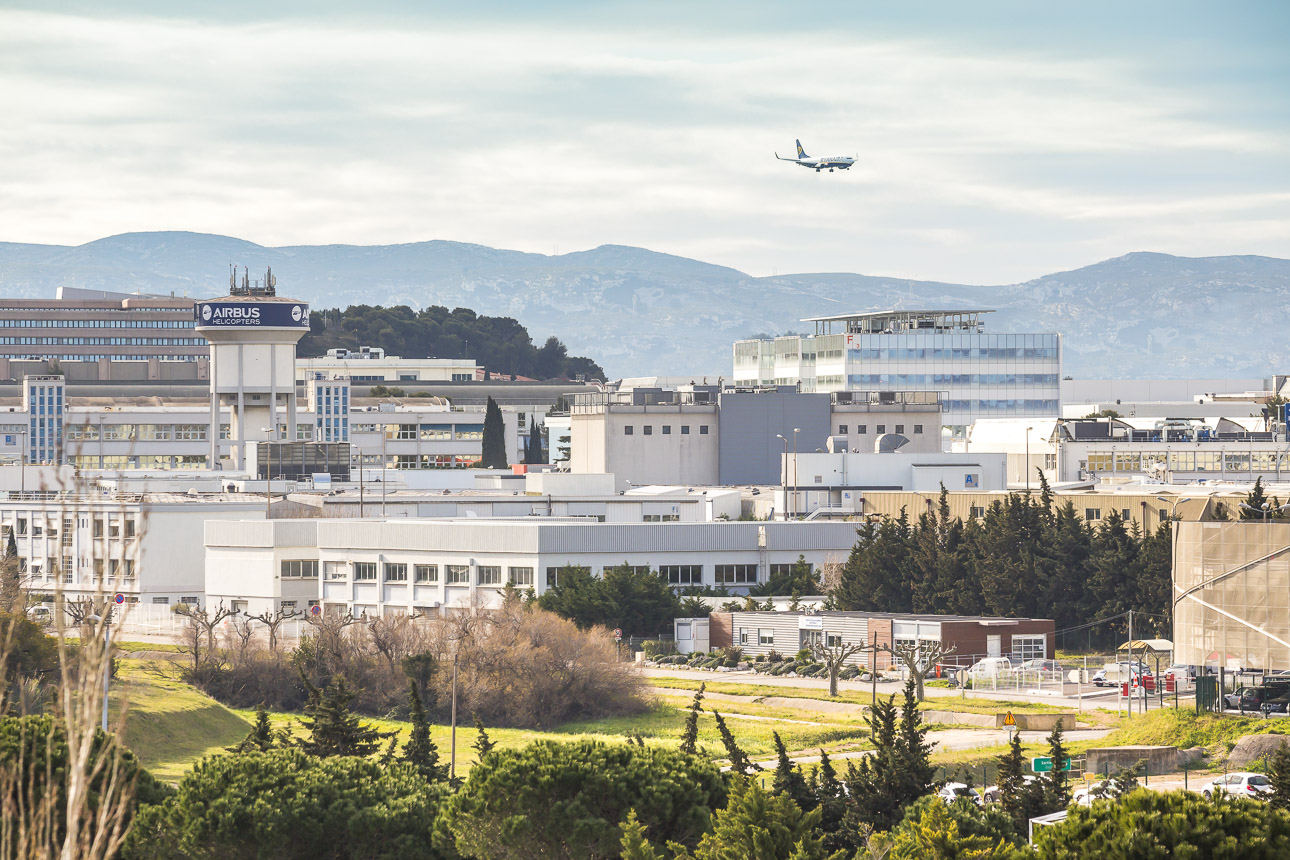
(831, 163)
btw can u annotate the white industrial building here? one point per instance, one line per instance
(378, 567)
(370, 364)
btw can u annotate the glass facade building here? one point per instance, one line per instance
(44, 402)
(977, 374)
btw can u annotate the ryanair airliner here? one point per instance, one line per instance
(841, 162)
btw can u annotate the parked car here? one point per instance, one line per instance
(1104, 790)
(991, 793)
(1277, 705)
(990, 668)
(41, 613)
(1239, 785)
(953, 791)
(1115, 674)
(1252, 698)
(1048, 670)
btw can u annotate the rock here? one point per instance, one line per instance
(1189, 757)
(1254, 747)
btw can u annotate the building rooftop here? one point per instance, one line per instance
(900, 320)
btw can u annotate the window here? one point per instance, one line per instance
(299, 569)
(648, 429)
(736, 574)
(553, 573)
(685, 429)
(161, 601)
(743, 636)
(765, 636)
(862, 429)
(703, 429)
(881, 428)
(1092, 514)
(833, 640)
(22, 525)
(489, 575)
(918, 429)
(660, 518)
(682, 574)
(667, 429)
(900, 428)
(1029, 647)
(628, 430)
(426, 572)
(114, 529)
(977, 511)
(336, 570)
(288, 605)
(129, 528)
(365, 571)
(521, 577)
(1124, 514)
(457, 574)
(396, 572)
(788, 569)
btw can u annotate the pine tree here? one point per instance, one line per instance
(914, 750)
(261, 738)
(789, 779)
(1056, 785)
(635, 845)
(1255, 499)
(1020, 800)
(493, 453)
(739, 761)
(420, 751)
(482, 745)
(333, 729)
(831, 800)
(1279, 776)
(690, 738)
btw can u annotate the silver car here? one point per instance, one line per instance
(1239, 785)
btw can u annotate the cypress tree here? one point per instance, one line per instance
(482, 745)
(420, 751)
(493, 455)
(1279, 776)
(789, 779)
(739, 761)
(261, 738)
(1056, 786)
(690, 738)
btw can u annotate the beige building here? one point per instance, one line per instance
(1145, 509)
(1232, 595)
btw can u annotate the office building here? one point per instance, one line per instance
(368, 365)
(977, 374)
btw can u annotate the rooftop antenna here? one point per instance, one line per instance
(246, 279)
(270, 282)
(232, 277)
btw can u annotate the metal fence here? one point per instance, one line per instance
(163, 622)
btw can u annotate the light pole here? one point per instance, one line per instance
(796, 430)
(384, 463)
(784, 473)
(1266, 509)
(268, 470)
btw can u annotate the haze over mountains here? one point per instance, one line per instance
(640, 312)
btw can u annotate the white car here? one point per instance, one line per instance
(953, 791)
(991, 668)
(992, 795)
(1239, 785)
(1098, 791)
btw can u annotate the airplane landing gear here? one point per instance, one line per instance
(830, 170)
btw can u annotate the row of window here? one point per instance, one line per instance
(665, 430)
(95, 356)
(97, 526)
(108, 323)
(862, 429)
(397, 572)
(910, 380)
(104, 341)
(138, 461)
(1188, 461)
(951, 353)
(128, 432)
(690, 574)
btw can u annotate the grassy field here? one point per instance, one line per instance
(171, 725)
(752, 688)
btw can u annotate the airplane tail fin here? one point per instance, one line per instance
(801, 153)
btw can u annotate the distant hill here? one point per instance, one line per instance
(640, 312)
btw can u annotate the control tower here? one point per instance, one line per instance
(253, 334)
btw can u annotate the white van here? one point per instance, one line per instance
(990, 669)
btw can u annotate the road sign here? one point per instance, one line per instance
(118, 598)
(618, 634)
(315, 610)
(1044, 764)
(1009, 720)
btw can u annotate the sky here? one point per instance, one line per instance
(996, 141)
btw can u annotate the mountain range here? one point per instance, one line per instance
(639, 312)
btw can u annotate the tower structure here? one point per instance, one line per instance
(253, 334)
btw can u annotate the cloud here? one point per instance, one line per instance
(974, 164)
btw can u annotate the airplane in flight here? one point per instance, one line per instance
(841, 162)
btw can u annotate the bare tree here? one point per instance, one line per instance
(273, 621)
(199, 632)
(919, 659)
(833, 656)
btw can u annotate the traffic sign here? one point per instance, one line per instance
(1044, 764)
(118, 598)
(315, 610)
(618, 634)
(1009, 720)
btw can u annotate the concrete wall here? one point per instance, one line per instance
(749, 452)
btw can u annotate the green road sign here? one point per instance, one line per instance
(1045, 764)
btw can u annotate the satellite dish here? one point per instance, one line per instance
(889, 443)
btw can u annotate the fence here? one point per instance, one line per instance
(165, 623)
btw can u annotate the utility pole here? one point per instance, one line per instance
(452, 764)
(1132, 667)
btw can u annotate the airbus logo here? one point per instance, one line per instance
(296, 313)
(206, 312)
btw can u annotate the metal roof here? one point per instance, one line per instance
(900, 312)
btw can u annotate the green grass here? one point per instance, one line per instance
(1184, 728)
(169, 724)
(750, 688)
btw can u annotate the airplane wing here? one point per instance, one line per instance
(777, 155)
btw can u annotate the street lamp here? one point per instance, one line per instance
(1265, 509)
(268, 470)
(796, 430)
(783, 473)
(1028, 429)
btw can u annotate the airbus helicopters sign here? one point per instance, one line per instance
(251, 314)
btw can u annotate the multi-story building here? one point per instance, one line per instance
(385, 567)
(370, 364)
(977, 374)
(709, 435)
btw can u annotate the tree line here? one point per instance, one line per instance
(1026, 556)
(499, 344)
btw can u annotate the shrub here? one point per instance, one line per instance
(655, 648)
(568, 800)
(731, 656)
(285, 804)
